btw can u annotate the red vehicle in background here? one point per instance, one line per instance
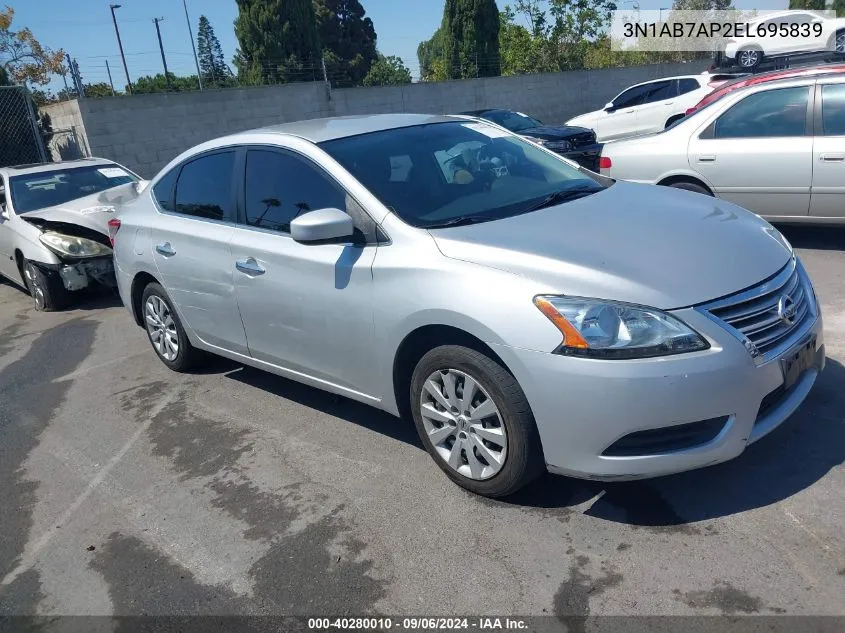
(752, 80)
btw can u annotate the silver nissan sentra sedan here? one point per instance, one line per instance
(526, 313)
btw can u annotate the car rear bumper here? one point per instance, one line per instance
(610, 420)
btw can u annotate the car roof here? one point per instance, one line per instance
(319, 130)
(38, 168)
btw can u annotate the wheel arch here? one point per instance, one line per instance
(667, 181)
(139, 282)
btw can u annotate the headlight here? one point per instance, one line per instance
(557, 146)
(606, 329)
(71, 246)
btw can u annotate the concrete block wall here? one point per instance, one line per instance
(145, 132)
(69, 134)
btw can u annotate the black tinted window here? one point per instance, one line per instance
(163, 190)
(631, 97)
(204, 188)
(661, 90)
(687, 85)
(774, 113)
(833, 110)
(279, 187)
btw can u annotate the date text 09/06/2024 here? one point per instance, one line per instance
(417, 624)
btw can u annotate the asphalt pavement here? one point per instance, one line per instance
(128, 489)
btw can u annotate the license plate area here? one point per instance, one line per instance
(797, 361)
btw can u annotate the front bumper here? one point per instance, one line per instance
(79, 274)
(586, 156)
(584, 406)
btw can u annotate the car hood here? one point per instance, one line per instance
(91, 212)
(554, 133)
(643, 244)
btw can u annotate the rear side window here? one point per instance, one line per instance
(163, 190)
(661, 90)
(774, 113)
(280, 187)
(204, 188)
(833, 110)
(687, 85)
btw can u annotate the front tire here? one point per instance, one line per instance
(474, 420)
(45, 287)
(165, 330)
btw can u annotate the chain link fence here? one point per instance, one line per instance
(21, 135)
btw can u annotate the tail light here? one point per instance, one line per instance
(114, 227)
(605, 162)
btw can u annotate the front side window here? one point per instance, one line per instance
(462, 172)
(833, 110)
(632, 97)
(31, 192)
(204, 188)
(774, 113)
(279, 187)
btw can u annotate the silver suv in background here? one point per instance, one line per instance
(527, 314)
(54, 238)
(776, 148)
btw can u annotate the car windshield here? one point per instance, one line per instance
(445, 173)
(513, 121)
(32, 192)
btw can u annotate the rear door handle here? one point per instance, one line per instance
(832, 158)
(249, 266)
(707, 158)
(628, 111)
(668, 102)
(165, 249)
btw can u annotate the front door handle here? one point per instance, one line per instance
(628, 111)
(165, 249)
(707, 158)
(832, 158)
(249, 266)
(669, 102)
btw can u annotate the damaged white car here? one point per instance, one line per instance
(54, 226)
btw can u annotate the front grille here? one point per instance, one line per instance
(758, 315)
(667, 439)
(581, 139)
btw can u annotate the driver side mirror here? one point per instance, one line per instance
(609, 107)
(321, 225)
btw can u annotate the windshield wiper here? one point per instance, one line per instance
(461, 221)
(564, 195)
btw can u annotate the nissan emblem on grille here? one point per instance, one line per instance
(787, 309)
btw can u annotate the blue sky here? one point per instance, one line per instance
(84, 29)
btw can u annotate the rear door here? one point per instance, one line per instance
(657, 107)
(190, 243)
(758, 152)
(828, 193)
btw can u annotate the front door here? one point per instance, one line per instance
(828, 195)
(190, 243)
(758, 153)
(307, 308)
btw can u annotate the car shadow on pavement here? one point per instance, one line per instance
(814, 237)
(330, 404)
(790, 459)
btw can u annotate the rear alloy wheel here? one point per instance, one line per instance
(749, 58)
(475, 421)
(839, 46)
(165, 331)
(45, 288)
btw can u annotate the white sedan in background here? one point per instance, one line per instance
(777, 149)
(648, 107)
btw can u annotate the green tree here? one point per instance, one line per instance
(430, 55)
(471, 38)
(387, 71)
(277, 41)
(22, 57)
(158, 83)
(839, 7)
(348, 39)
(523, 51)
(575, 28)
(213, 66)
(98, 90)
(815, 5)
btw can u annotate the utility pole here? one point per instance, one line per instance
(111, 83)
(120, 46)
(193, 46)
(161, 48)
(74, 75)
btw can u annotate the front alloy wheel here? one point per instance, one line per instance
(35, 284)
(463, 424)
(162, 328)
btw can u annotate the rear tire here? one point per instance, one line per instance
(506, 420)
(45, 287)
(749, 58)
(691, 186)
(165, 331)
